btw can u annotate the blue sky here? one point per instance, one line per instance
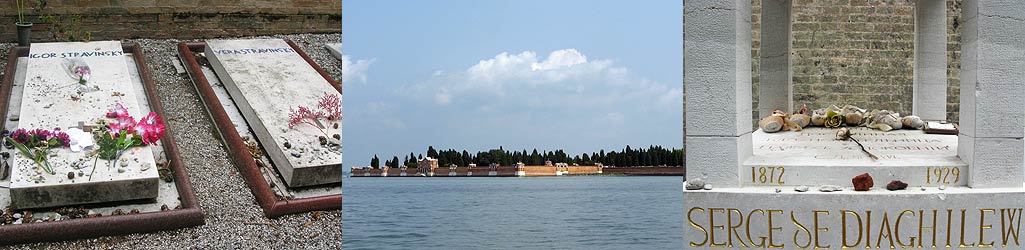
(468, 74)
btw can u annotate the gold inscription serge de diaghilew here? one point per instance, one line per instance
(732, 227)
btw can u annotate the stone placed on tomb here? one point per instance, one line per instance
(801, 188)
(830, 188)
(912, 122)
(802, 120)
(896, 185)
(862, 182)
(884, 120)
(771, 124)
(853, 116)
(695, 184)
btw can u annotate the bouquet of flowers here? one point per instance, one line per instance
(124, 132)
(36, 144)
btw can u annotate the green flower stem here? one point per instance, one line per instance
(39, 157)
(94, 167)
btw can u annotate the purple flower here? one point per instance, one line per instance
(40, 135)
(21, 136)
(61, 137)
(82, 71)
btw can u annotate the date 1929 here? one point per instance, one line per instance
(942, 175)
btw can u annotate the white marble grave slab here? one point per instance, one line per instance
(814, 157)
(267, 168)
(168, 192)
(46, 102)
(335, 49)
(266, 78)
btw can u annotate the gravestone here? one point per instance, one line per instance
(814, 157)
(53, 98)
(266, 78)
(965, 191)
(335, 49)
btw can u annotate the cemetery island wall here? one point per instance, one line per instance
(114, 20)
(429, 167)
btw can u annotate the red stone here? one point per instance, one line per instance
(896, 185)
(862, 182)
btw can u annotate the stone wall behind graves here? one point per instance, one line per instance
(858, 52)
(184, 19)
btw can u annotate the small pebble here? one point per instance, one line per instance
(695, 184)
(943, 187)
(801, 188)
(13, 118)
(17, 216)
(830, 188)
(923, 188)
(708, 186)
(896, 185)
(337, 136)
(288, 145)
(120, 170)
(779, 190)
(71, 175)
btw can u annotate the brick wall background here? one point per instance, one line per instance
(185, 19)
(858, 52)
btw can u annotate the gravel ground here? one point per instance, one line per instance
(233, 219)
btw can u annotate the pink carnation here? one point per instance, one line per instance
(123, 124)
(117, 111)
(150, 127)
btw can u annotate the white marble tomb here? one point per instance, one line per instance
(265, 78)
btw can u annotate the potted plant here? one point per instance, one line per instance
(24, 27)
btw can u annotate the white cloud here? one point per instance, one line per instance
(354, 70)
(564, 79)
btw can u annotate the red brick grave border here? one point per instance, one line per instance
(271, 204)
(189, 215)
